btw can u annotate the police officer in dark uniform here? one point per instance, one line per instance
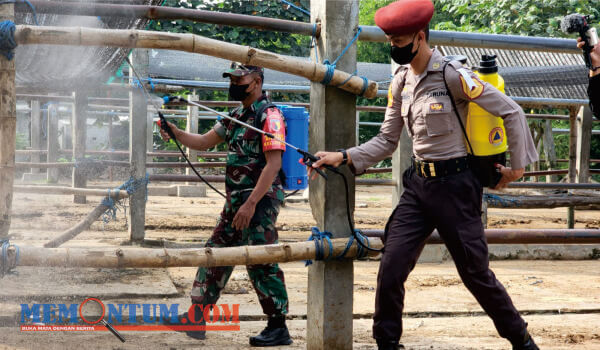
(440, 190)
(594, 86)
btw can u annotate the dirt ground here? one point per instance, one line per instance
(559, 299)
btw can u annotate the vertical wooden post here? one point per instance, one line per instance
(79, 138)
(549, 151)
(36, 133)
(191, 126)
(330, 284)
(572, 160)
(52, 138)
(138, 124)
(8, 129)
(584, 139)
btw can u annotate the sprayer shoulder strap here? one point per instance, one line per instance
(453, 102)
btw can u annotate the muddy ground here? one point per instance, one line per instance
(560, 299)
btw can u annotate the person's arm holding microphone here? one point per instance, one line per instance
(594, 86)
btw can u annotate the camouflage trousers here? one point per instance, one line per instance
(268, 279)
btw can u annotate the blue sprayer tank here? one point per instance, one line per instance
(296, 119)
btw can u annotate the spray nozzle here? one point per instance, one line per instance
(488, 65)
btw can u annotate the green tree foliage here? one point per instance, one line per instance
(525, 17)
(283, 43)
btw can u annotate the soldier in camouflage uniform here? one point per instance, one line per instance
(254, 190)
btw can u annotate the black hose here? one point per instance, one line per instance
(349, 213)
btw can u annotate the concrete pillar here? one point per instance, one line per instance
(332, 126)
(79, 138)
(358, 127)
(401, 159)
(549, 150)
(8, 129)
(149, 136)
(572, 144)
(192, 126)
(138, 125)
(52, 138)
(584, 139)
(572, 176)
(36, 133)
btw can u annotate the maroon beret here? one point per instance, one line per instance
(404, 16)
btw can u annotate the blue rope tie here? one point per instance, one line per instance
(320, 237)
(5, 268)
(131, 186)
(296, 7)
(7, 39)
(331, 66)
(35, 20)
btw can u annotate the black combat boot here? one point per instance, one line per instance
(386, 344)
(524, 342)
(184, 320)
(276, 333)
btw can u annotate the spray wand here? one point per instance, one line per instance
(307, 158)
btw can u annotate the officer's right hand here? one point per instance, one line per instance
(334, 159)
(594, 54)
(164, 134)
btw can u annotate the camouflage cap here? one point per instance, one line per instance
(239, 70)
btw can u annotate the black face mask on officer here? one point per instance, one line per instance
(404, 54)
(238, 92)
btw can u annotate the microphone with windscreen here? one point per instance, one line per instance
(577, 23)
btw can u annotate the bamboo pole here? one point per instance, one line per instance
(8, 133)
(114, 194)
(162, 258)
(77, 229)
(81, 36)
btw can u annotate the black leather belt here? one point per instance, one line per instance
(440, 168)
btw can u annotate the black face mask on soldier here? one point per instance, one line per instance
(404, 54)
(238, 92)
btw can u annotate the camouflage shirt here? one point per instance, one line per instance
(245, 159)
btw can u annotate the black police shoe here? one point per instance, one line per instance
(200, 335)
(383, 344)
(276, 333)
(526, 343)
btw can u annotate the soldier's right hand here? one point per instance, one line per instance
(164, 134)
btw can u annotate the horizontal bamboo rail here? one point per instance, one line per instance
(528, 202)
(132, 38)
(114, 194)
(123, 153)
(523, 236)
(117, 163)
(161, 258)
(250, 255)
